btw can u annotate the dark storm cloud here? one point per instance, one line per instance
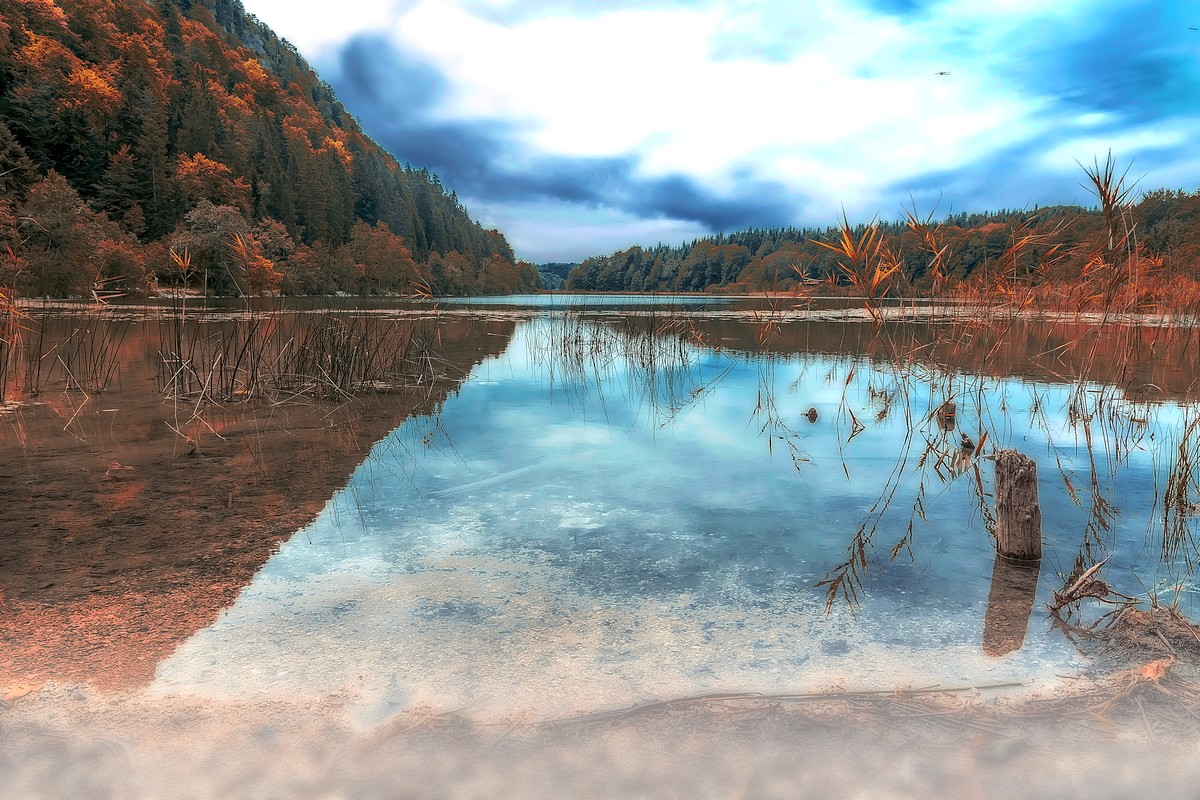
(364, 59)
(1017, 178)
(395, 98)
(678, 197)
(1138, 60)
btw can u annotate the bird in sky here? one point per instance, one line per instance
(947, 72)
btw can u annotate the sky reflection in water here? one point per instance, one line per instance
(569, 536)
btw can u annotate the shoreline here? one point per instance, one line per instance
(1126, 735)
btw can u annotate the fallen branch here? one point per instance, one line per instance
(1087, 586)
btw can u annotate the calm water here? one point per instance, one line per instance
(564, 301)
(601, 517)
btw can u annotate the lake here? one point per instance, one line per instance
(623, 500)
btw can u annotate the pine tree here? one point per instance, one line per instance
(17, 171)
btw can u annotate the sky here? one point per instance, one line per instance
(578, 127)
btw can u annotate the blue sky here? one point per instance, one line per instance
(578, 127)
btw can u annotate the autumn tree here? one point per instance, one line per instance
(150, 110)
(207, 233)
(383, 263)
(58, 232)
(199, 177)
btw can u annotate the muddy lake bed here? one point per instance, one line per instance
(630, 546)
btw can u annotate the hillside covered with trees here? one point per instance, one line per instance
(1052, 244)
(181, 141)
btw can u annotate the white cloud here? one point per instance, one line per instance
(839, 103)
(315, 27)
(1088, 147)
(557, 231)
(858, 103)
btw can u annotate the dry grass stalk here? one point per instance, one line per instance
(865, 262)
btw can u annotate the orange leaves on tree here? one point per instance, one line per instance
(201, 178)
(93, 91)
(339, 151)
(43, 56)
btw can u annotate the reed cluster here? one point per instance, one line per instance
(278, 354)
(72, 349)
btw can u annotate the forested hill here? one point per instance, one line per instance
(131, 129)
(1052, 243)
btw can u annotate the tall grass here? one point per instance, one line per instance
(72, 350)
(656, 352)
(277, 354)
(866, 261)
(12, 328)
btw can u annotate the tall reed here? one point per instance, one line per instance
(12, 328)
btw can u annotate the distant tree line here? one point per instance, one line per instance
(1049, 243)
(554, 275)
(131, 129)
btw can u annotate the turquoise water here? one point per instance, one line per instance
(637, 519)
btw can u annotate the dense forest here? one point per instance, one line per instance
(554, 275)
(175, 142)
(1046, 244)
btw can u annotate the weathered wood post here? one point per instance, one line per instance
(1018, 554)
(1018, 515)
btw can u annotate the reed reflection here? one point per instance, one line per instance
(138, 508)
(1097, 402)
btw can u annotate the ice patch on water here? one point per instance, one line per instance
(580, 521)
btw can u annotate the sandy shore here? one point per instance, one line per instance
(1119, 738)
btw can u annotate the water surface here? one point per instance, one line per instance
(605, 515)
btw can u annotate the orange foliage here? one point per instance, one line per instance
(338, 149)
(47, 10)
(43, 53)
(92, 93)
(201, 178)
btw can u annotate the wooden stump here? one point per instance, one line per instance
(1018, 516)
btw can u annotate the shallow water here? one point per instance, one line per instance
(636, 517)
(597, 507)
